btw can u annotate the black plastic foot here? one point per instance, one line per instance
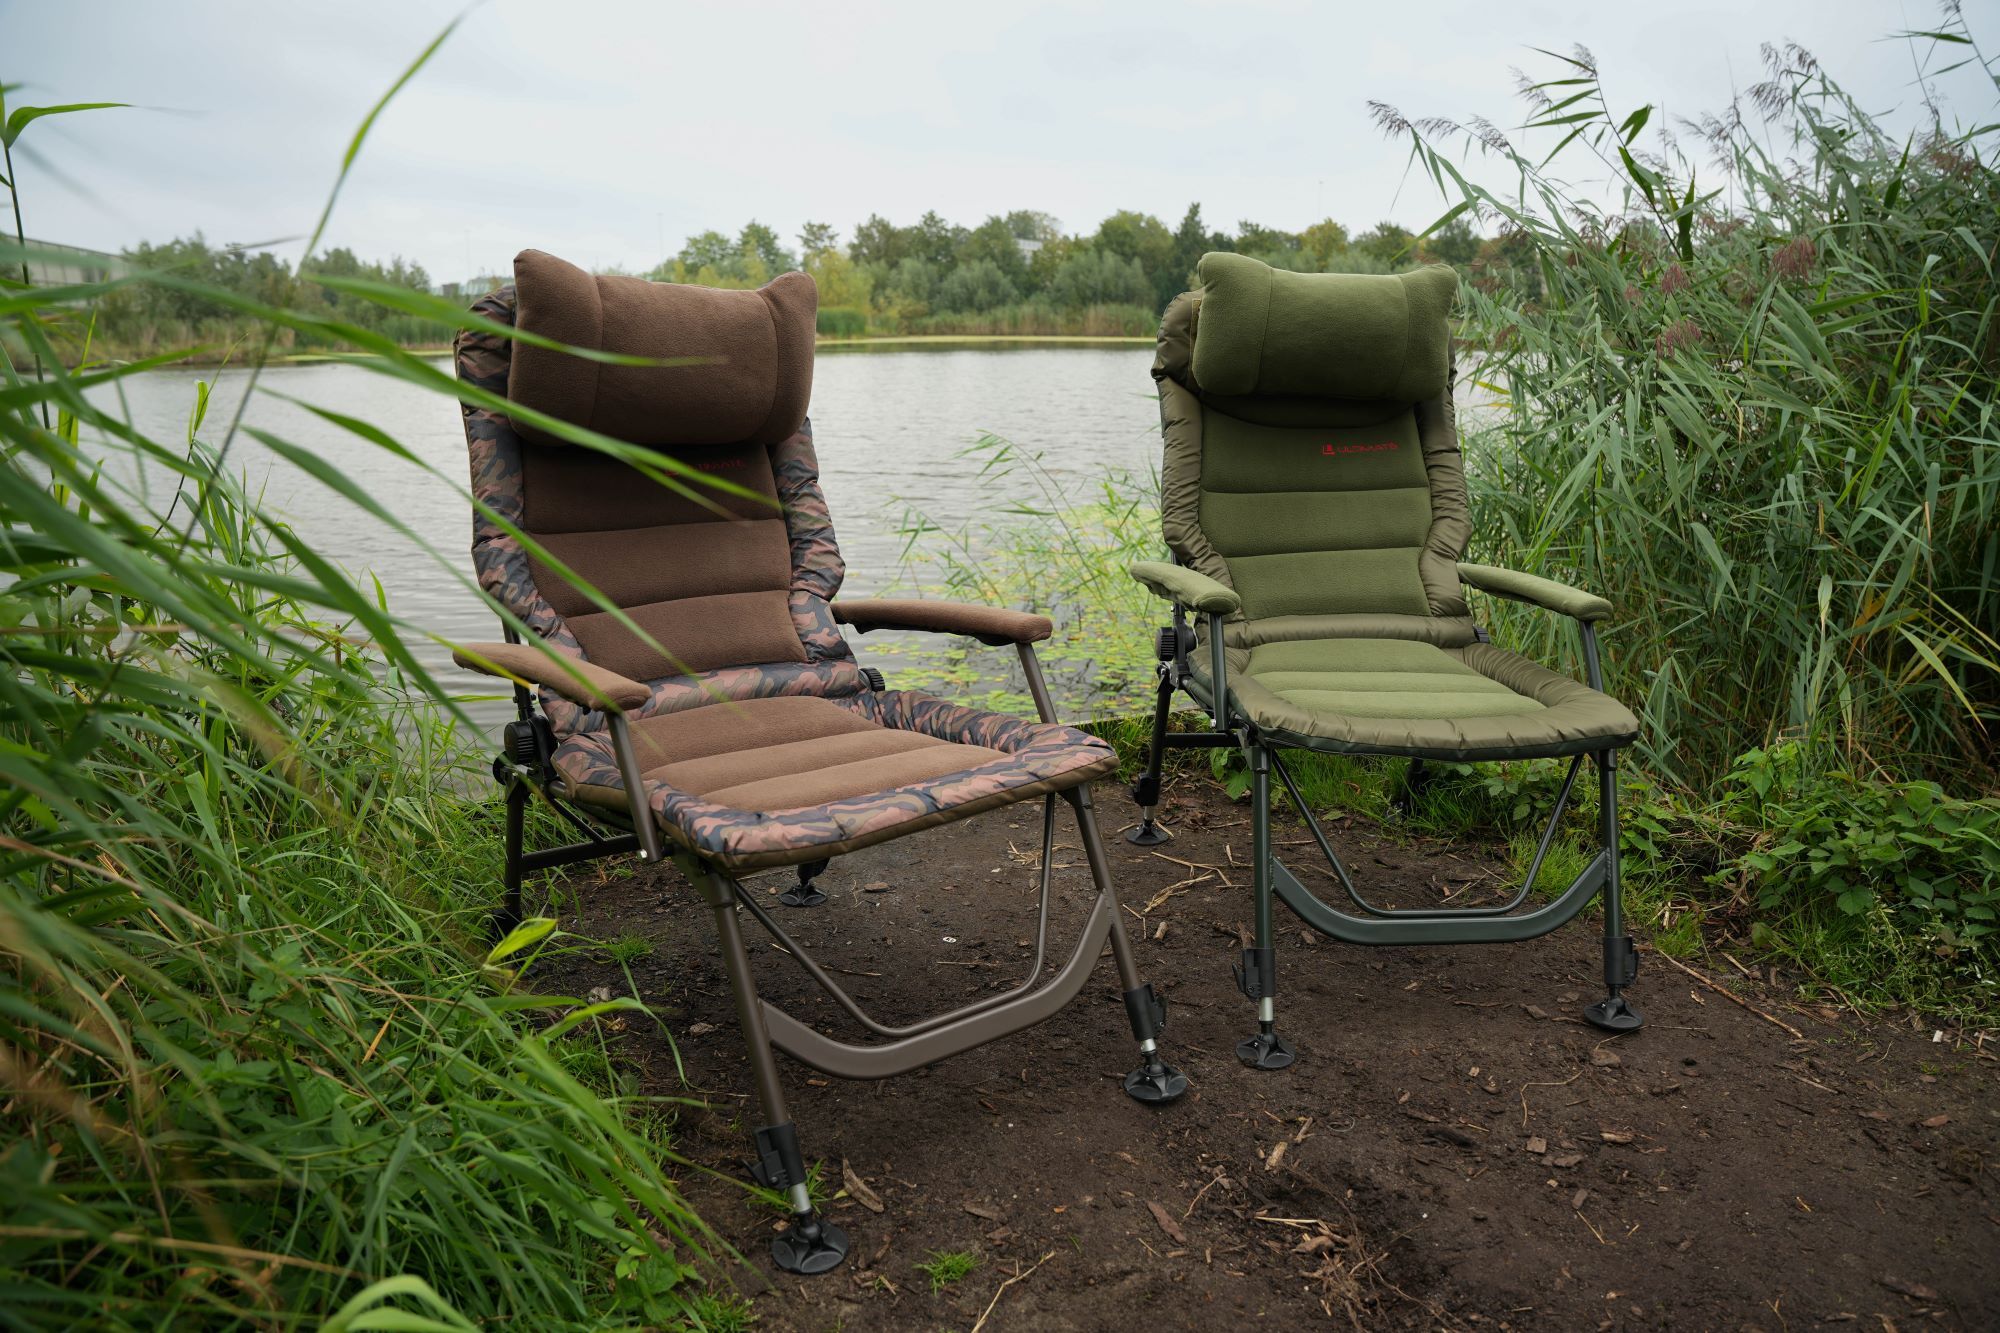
(1266, 1050)
(805, 895)
(1148, 834)
(1614, 1013)
(1156, 1083)
(809, 1245)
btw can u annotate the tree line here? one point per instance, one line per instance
(1014, 273)
(142, 318)
(1020, 272)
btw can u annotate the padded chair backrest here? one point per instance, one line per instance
(1312, 463)
(734, 588)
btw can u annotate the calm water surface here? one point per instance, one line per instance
(890, 428)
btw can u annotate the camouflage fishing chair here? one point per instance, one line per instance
(695, 692)
(1315, 505)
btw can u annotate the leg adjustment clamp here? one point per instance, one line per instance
(1257, 977)
(1147, 1011)
(778, 1165)
(1146, 791)
(1621, 962)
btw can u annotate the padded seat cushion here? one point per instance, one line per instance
(1401, 696)
(765, 782)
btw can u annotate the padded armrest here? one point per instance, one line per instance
(1179, 584)
(1537, 591)
(989, 624)
(573, 678)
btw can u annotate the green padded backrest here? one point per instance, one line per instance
(1312, 462)
(1327, 518)
(1265, 331)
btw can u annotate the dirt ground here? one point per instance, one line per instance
(1455, 1148)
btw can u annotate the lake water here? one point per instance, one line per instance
(891, 429)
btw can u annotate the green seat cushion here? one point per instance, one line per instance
(1408, 697)
(1381, 678)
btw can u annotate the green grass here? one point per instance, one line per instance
(263, 1071)
(721, 1314)
(626, 949)
(945, 1267)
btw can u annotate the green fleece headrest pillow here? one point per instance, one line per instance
(1323, 335)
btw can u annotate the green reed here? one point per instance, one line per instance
(1755, 406)
(259, 1069)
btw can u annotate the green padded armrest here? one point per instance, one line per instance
(1537, 591)
(573, 678)
(1178, 584)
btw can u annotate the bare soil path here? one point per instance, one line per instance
(1455, 1148)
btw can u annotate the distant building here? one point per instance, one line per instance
(1028, 248)
(56, 265)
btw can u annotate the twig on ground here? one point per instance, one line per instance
(999, 1290)
(1220, 1176)
(1593, 1229)
(1558, 1084)
(1728, 994)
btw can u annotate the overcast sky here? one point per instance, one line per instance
(594, 130)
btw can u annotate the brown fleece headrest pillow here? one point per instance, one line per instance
(751, 386)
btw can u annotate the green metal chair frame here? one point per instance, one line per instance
(1314, 502)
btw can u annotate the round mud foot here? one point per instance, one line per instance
(1614, 1014)
(1266, 1050)
(1155, 1083)
(809, 1246)
(805, 895)
(1148, 834)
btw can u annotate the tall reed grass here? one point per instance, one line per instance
(257, 1069)
(1755, 405)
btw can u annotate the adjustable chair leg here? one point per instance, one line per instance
(1146, 791)
(805, 895)
(1154, 1081)
(1257, 978)
(1614, 1013)
(1415, 778)
(501, 921)
(810, 1244)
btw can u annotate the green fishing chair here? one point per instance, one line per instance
(1314, 501)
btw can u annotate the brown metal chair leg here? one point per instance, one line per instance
(1154, 1080)
(810, 1244)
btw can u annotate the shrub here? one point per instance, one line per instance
(1932, 860)
(842, 321)
(976, 286)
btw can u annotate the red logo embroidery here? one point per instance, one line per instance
(722, 465)
(1337, 450)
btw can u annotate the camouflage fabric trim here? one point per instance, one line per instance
(1039, 758)
(816, 564)
(497, 558)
